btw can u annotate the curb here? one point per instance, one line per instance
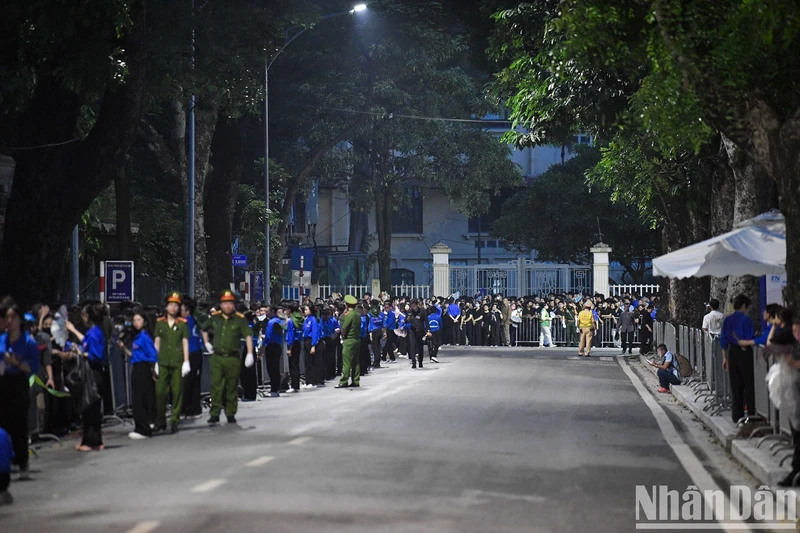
(758, 461)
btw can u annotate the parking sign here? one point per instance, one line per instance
(116, 281)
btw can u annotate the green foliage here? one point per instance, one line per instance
(559, 213)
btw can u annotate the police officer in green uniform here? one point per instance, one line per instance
(172, 344)
(351, 337)
(229, 329)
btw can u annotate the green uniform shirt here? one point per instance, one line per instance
(170, 353)
(544, 318)
(351, 326)
(228, 332)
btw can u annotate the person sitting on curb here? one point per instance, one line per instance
(668, 373)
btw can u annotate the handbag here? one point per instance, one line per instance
(81, 382)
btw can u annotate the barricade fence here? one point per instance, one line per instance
(711, 384)
(529, 333)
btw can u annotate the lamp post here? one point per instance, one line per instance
(267, 64)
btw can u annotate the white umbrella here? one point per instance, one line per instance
(756, 247)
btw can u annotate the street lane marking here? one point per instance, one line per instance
(144, 527)
(261, 461)
(298, 441)
(208, 486)
(691, 464)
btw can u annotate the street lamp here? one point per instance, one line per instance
(267, 64)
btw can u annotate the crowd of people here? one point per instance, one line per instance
(59, 358)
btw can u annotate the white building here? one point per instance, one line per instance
(430, 219)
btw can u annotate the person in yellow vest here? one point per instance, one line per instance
(172, 345)
(229, 329)
(587, 324)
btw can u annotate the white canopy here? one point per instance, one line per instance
(756, 247)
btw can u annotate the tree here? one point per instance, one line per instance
(75, 84)
(561, 217)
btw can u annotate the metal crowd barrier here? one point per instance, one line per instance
(529, 331)
(711, 384)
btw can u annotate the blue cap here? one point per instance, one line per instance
(29, 317)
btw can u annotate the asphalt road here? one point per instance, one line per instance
(486, 441)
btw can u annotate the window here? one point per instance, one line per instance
(495, 210)
(402, 276)
(408, 218)
(299, 217)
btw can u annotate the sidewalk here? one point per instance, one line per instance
(758, 460)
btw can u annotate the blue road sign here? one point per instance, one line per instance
(240, 260)
(119, 281)
(258, 286)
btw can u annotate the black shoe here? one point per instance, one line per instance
(788, 481)
(354, 386)
(159, 429)
(420, 365)
(231, 419)
(173, 428)
(414, 366)
(213, 420)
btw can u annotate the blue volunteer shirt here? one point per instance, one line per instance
(736, 327)
(364, 327)
(454, 310)
(435, 321)
(25, 349)
(94, 344)
(6, 452)
(311, 330)
(291, 332)
(195, 338)
(274, 331)
(375, 322)
(389, 320)
(329, 327)
(761, 340)
(143, 349)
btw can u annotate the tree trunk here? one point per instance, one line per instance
(227, 156)
(359, 231)
(723, 197)
(54, 186)
(122, 192)
(750, 199)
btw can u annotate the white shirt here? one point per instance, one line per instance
(712, 322)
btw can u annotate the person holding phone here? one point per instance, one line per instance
(668, 372)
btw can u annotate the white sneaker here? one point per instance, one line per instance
(24, 475)
(290, 391)
(136, 436)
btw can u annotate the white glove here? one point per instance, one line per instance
(185, 369)
(155, 369)
(248, 360)
(209, 347)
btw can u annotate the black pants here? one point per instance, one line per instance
(314, 366)
(294, 364)
(340, 358)
(434, 343)
(92, 416)
(273, 356)
(458, 333)
(402, 345)
(330, 357)
(418, 350)
(647, 342)
(740, 369)
(249, 380)
(391, 343)
(191, 385)
(143, 390)
(375, 338)
(14, 405)
(513, 334)
(795, 457)
(627, 341)
(5, 480)
(364, 357)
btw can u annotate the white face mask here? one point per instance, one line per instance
(262, 318)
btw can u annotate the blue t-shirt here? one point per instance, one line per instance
(94, 344)
(25, 349)
(375, 322)
(673, 367)
(143, 349)
(454, 310)
(291, 332)
(364, 327)
(329, 327)
(389, 320)
(195, 338)
(273, 334)
(736, 327)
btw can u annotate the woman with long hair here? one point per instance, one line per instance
(143, 357)
(310, 345)
(19, 355)
(94, 349)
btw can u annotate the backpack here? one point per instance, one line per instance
(684, 366)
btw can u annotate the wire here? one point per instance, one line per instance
(412, 117)
(39, 146)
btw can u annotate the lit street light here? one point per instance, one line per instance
(267, 64)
